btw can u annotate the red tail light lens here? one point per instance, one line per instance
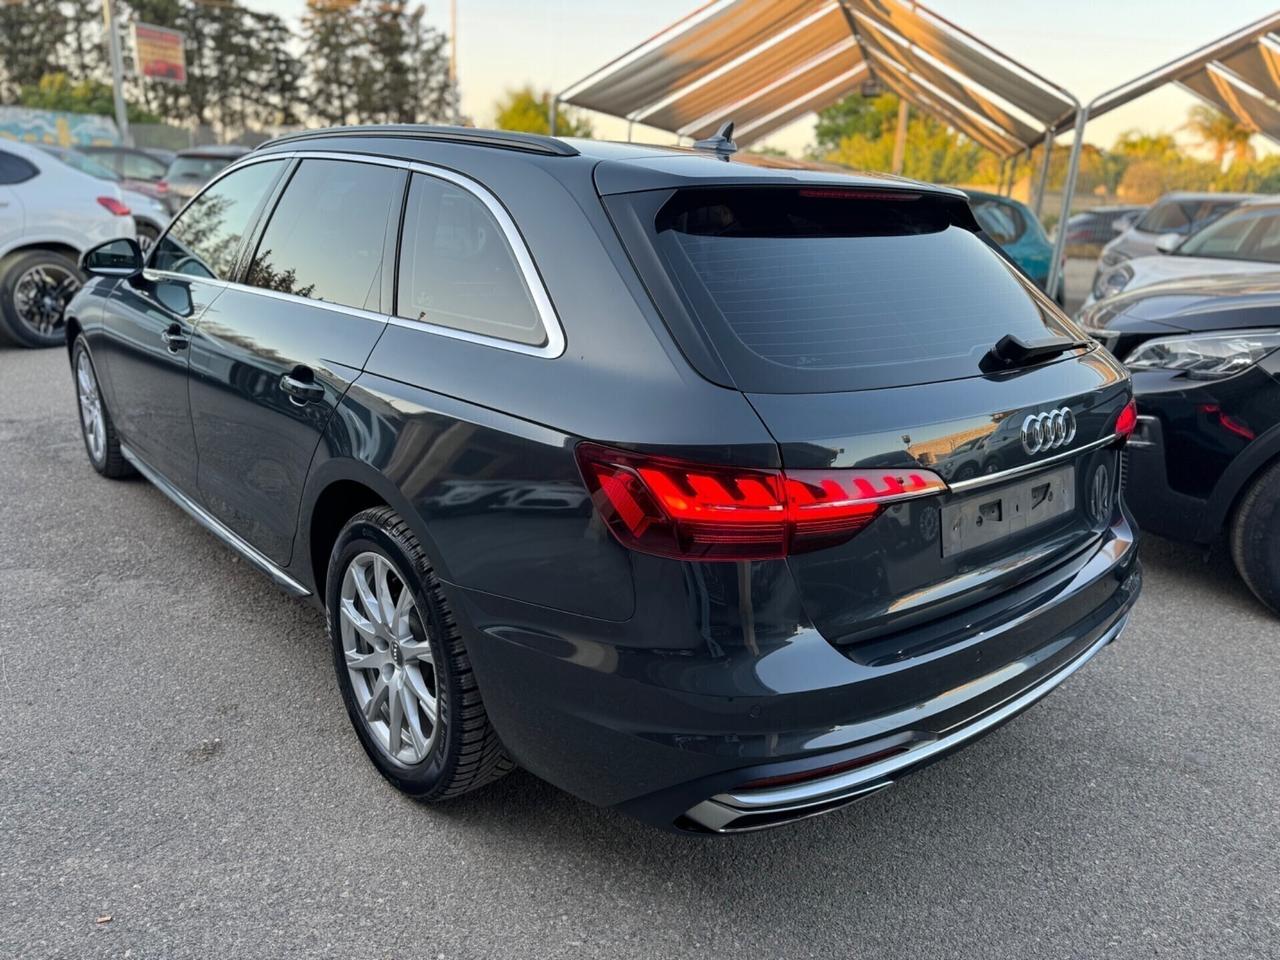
(674, 508)
(115, 206)
(1127, 421)
(162, 186)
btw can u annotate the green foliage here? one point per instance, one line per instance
(530, 112)
(56, 91)
(855, 115)
(862, 132)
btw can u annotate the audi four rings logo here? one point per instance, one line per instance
(1048, 431)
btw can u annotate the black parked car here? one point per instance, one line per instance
(192, 169)
(1100, 225)
(1205, 460)
(623, 463)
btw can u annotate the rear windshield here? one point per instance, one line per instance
(816, 290)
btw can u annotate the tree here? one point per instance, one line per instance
(31, 34)
(853, 116)
(406, 75)
(1223, 135)
(867, 128)
(333, 54)
(530, 112)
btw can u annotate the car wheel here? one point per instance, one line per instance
(147, 236)
(1255, 537)
(402, 667)
(35, 288)
(99, 433)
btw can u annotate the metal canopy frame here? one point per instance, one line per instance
(765, 63)
(1238, 74)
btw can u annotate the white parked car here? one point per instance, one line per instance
(1245, 240)
(49, 215)
(150, 216)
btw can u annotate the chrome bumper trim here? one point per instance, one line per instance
(216, 526)
(719, 813)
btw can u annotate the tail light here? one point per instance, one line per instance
(1126, 422)
(115, 206)
(162, 186)
(693, 511)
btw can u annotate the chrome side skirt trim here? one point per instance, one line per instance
(216, 526)
(962, 485)
(791, 802)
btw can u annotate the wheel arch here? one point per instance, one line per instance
(336, 490)
(52, 246)
(1238, 477)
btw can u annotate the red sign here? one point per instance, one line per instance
(160, 53)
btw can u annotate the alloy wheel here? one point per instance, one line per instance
(41, 295)
(95, 427)
(389, 658)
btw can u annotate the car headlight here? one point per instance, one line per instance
(1110, 282)
(1205, 356)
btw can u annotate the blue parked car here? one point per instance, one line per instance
(1012, 225)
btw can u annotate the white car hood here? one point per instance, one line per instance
(1149, 270)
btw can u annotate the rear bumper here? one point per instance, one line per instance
(671, 733)
(755, 809)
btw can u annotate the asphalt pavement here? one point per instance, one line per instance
(174, 756)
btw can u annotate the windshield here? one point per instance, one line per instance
(1246, 234)
(78, 161)
(817, 290)
(195, 168)
(1183, 216)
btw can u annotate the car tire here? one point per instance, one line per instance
(18, 323)
(147, 236)
(408, 656)
(101, 442)
(1255, 537)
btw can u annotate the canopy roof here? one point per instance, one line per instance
(1238, 74)
(766, 63)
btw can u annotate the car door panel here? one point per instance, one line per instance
(148, 321)
(275, 355)
(141, 348)
(255, 439)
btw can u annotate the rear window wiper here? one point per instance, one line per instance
(1012, 351)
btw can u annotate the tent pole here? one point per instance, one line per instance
(1044, 172)
(630, 126)
(900, 139)
(1068, 189)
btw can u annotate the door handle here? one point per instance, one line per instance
(175, 339)
(301, 386)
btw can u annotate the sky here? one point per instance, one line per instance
(1086, 46)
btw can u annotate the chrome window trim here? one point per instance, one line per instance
(555, 345)
(983, 481)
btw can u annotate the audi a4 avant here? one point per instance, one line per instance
(626, 464)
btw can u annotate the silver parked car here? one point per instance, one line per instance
(1180, 213)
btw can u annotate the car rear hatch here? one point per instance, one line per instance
(862, 323)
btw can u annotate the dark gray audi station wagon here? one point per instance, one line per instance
(718, 492)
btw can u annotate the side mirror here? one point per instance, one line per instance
(121, 259)
(1168, 242)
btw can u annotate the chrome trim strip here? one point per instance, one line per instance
(962, 485)
(555, 345)
(720, 811)
(216, 527)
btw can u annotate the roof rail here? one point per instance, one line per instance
(502, 139)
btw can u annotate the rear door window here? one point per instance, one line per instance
(815, 290)
(326, 238)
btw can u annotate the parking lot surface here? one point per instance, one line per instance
(174, 756)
